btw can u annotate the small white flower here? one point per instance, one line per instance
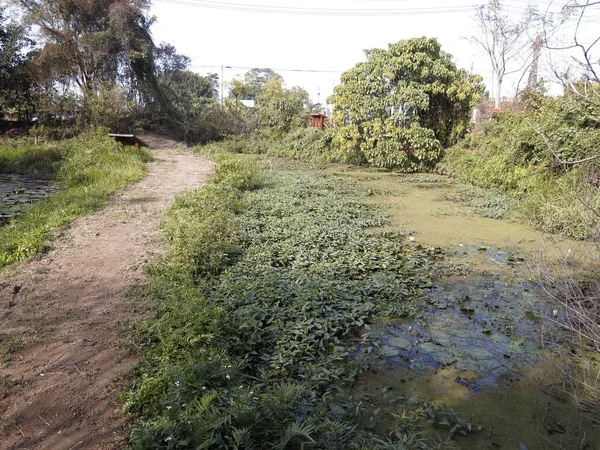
(168, 438)
(411, 239)
(203, 388)
(177, 383)
(228, 377)
(169, 407)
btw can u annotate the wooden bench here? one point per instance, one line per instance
(128, 139)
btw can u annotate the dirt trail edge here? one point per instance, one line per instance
(59, 389)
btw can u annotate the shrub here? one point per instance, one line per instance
(529, 155)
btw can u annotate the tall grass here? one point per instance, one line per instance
(87, 169)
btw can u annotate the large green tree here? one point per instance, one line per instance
(16, 51)
(89, 43)
(189, 92)
(403, 105)
(280, 108)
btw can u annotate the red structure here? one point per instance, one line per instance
(318, 120)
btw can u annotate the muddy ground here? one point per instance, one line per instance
(58, 391)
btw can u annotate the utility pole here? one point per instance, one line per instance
(537, 50)
(222, 83)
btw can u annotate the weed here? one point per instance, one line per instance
(8, 348)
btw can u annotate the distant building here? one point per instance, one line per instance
(317, 120)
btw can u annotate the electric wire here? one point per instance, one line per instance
(290, 10)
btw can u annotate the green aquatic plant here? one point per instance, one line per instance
(265, 331)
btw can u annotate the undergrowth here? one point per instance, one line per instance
(269, 284)
(87, 169)
(22, 157)
(307, 144)
(533, 157)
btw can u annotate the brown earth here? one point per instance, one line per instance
(58, 391)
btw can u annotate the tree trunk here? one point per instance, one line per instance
(498, 90)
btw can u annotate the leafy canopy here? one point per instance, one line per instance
(15, 54)
(400, 107)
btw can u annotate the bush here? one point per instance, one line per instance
(307, 144)
(524, 155)
(238, 174)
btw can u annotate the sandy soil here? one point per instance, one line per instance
(59, 389)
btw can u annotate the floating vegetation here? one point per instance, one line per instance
(17, 192)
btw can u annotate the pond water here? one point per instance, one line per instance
(17, 192)
(473, 353)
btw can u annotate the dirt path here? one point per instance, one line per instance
(58, 391)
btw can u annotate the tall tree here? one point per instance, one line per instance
(403, 105)
(281, 108)
(16, 51)
(189, 92)
(87, 43)
(167, 59)
(503, 40)
(582, 76)
(255, 78)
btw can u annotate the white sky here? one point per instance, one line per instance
(331, 38)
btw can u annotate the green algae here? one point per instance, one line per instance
(473, 353)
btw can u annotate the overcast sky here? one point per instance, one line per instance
(311, 42)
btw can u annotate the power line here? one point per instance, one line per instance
(196, 66)
(361, 12)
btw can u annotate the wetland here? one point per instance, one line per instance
(18, 191)
(475, 350)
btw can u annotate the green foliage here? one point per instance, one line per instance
(8, 346)
(15, 75)
(108, 107)
(22, 157)
(403, 105)
(238, 174)
(189, 92)
(527, 160)
(280, 108)
(89, 169)
(307, 144)
(243, 352)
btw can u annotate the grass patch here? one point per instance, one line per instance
(88, 170)
(9, 345)
(269, 285)
(485, 202)
(20, 156)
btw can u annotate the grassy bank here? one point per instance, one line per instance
(88, 170)
(272, 279)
